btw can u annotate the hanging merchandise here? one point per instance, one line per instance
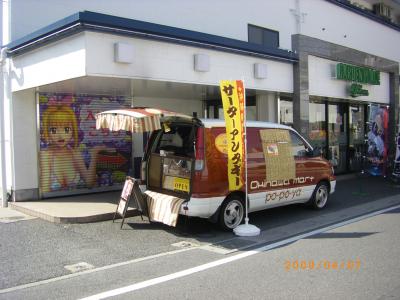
(396, 167)
(377, 140)
(75, 157)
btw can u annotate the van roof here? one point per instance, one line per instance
(209, 123)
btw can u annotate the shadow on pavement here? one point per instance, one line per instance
(351, 192)
(341, 235)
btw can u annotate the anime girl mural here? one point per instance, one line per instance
(74, 155)
(62, 163)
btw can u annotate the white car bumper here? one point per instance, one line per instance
(201, 207)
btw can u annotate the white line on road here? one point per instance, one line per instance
(158, 280)
(51, 280)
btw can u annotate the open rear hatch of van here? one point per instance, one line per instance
(169, 160)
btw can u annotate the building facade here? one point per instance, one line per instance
(326, 74)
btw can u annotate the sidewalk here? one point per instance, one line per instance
(9, 215)
(74, 209)
(101, 206)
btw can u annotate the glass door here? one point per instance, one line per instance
(356, 137)
(317, 126)
(338, 136)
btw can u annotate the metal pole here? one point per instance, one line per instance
(246, 220)
(246, 229)
(3, 93)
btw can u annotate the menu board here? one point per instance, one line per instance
(126, 194)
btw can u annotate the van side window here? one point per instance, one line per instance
(298, 147)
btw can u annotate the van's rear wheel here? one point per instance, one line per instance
(231, 213)
(320, 196)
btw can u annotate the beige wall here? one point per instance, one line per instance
(25, 163)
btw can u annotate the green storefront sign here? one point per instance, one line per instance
(357, 90)
(357, 74)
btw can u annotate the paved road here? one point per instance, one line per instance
(359, 260)
(35, 250)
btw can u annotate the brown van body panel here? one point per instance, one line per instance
(212, 181)
(188, 160)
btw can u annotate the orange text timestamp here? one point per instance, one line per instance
(323, 264)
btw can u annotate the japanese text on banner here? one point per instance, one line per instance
(232, 93)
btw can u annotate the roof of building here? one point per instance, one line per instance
(93, 21)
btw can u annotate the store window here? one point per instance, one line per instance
(317, 126)
(337, 136)
(356, 137)
(251, 113)
(215, 110)
(286, 112)
(263, 36)
(298, 147)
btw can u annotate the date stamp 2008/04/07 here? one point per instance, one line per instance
(323, 264)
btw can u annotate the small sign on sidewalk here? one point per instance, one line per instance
(131, 190)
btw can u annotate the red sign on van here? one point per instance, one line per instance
(232, 93)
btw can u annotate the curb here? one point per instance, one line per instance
(132, 212)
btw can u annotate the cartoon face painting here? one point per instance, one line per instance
(60, 126)
(60, 135)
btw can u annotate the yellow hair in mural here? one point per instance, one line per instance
(60, 115)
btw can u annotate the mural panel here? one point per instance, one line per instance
(74, 156)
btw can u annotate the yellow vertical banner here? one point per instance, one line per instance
(232, 93)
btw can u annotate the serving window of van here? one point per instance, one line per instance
(176, 139)
(170, 163)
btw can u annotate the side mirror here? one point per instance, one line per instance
(317, 151)
(314, 152)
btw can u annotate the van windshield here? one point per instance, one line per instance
(176, 139)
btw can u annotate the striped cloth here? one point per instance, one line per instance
(139, 119)
(133, 120)
(163, 208)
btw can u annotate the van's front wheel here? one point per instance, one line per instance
(320, 196)
(231, 213)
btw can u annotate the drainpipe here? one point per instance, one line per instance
(3, 96)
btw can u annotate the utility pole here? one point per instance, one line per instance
(3, 86)
(299, 16)
(4, 95)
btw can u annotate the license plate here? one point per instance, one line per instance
(181, 184)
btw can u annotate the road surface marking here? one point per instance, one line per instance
(79, 267)
(51, 280)
(158, 280)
